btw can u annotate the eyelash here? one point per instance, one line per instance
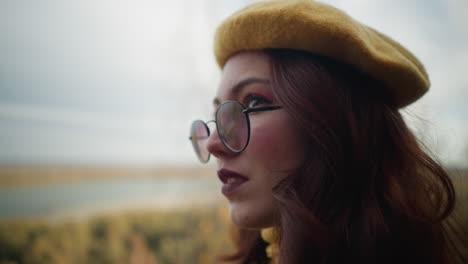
(255, 97)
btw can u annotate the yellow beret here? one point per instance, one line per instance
(322, 29)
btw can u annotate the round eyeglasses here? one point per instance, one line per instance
(233, 126)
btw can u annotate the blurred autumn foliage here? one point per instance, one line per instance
(188, 236)
(178, 236)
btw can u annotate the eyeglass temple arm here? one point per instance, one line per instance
(260, 109)
(205, 137)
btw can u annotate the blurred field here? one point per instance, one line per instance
(190, 236)
(178, 235)
(138, 235)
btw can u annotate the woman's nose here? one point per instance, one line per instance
(216, 147)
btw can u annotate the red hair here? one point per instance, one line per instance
(368, 191)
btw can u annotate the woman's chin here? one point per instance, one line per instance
(249, 217)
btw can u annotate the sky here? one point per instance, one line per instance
(118, 82)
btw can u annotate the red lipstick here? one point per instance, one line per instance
(231, 181)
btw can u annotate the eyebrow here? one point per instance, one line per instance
(236, 89)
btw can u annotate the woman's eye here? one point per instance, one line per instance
(254, 100)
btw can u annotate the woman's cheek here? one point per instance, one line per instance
(276, 145)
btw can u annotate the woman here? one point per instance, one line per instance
(315, 158)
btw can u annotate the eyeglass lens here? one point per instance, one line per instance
(199, 134)
(232, 126)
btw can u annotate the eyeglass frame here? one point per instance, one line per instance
(246, 111)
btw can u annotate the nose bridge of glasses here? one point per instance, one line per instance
(214, 140)
(210, 127)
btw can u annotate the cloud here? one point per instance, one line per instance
(65, 116)
(44, 134)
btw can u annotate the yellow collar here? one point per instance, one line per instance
(271, 236)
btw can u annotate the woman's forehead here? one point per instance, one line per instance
(247, 65)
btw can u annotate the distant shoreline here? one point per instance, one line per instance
(33, 175)
(18, 175)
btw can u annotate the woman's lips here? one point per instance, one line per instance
(231, 181)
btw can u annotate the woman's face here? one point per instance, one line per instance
(276, 144)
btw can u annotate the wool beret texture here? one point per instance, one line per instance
(321, 29)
